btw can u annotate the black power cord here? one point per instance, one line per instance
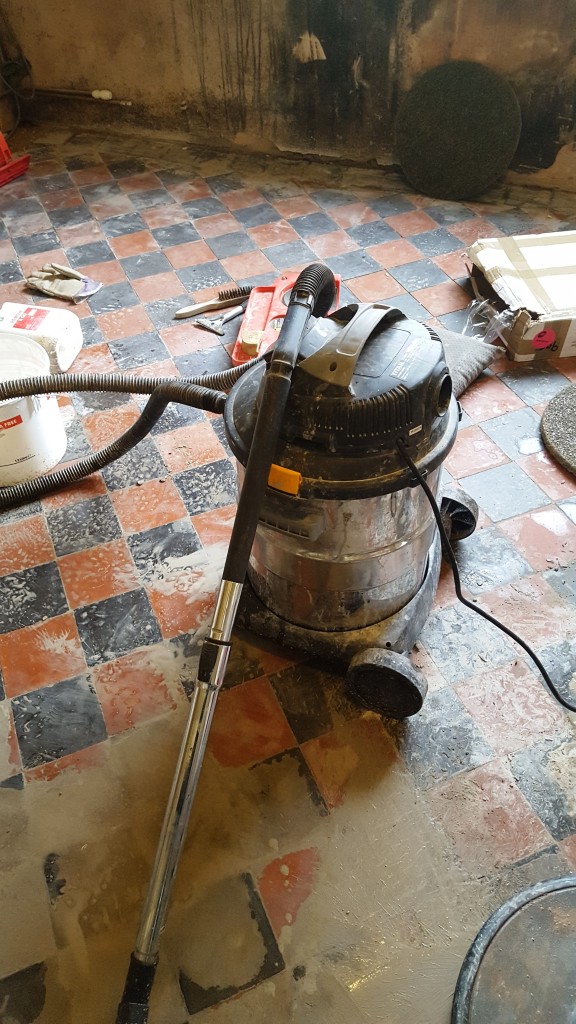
(449, 553)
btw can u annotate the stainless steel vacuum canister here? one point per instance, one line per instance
(345, 531)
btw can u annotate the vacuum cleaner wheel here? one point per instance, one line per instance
(459, 513)
(386, 682)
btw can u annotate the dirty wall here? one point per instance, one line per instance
(309, 76)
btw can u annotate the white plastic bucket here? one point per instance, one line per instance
(32, 434)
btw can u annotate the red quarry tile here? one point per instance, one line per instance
(80, 234)
(40, 168)
(350, 215)
(546, 538)
(566, 366)
(189, 254)
(164, 368)
(442, 298)
(105, 426)
(336, 759)
(109, 272)
(487, 398)
(274, 658)
(91, 175)
(20, 188)
(193, 445)
(203, 294)
(35, 262)
(556, 482)
(33, 223)
(286, 883)
(373, 287)
(434, 323)
(95, 359)
(184, 337)
(568, 851)
(92, 486)
(512, 707)
(133, 245)
(445, 593)
(159, 286)
(218, 224)
(81, 309)
(473, 452)
(8, 252)
(124, 323)
(140, 182)
(394, 254)
(41, 654)
(422, 660)
(247, 265)
(90, 757)
(187, 191)
(298, 206)
(332, 762)
(413, 223)
(132, 690)
(16, 291)
(240, 198)
(453, 263)
(10, 760)
(487, 818)
(532, 609)
(176, 611)
(97, 574)
(153, 503)
(184, 599)
(114, 206)
(333, 243)
(501, 363)
(273, 234)
(215, 527)
(163, 216)
(63, 199)
(23, 544)
(66, 405)
(482, 208)
(249, 725)
(469, 231)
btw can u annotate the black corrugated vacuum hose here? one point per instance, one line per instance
(207, 392)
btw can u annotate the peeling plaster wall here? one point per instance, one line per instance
(231, 67)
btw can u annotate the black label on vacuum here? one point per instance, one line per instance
(408, 358)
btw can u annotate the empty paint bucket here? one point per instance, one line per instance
(32, 434)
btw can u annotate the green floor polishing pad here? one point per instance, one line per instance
(558, 428)
(457, 130)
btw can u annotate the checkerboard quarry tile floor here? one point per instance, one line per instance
(338, 865)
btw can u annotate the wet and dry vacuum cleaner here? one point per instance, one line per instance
(346, 556)
(340, 433)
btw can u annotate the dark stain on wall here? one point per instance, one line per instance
(349, 101)
(422, 11)
(344, 99)
(547, 121)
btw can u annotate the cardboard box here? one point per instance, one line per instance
(531, 282)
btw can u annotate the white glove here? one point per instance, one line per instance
(62, 283)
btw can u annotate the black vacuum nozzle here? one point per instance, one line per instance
(319, 281)
(134, 1006)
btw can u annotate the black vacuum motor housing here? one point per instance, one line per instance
(342, 437)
